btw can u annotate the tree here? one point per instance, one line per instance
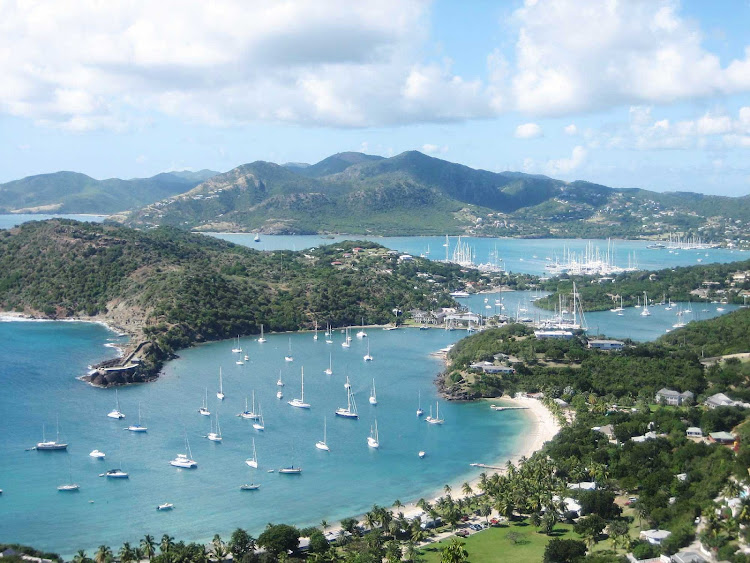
(590, 527)
(148, 544)
(618, 533)
(126, 553)
(103, 554)
(167, 543)
(485, 510)
(349, 525)
(548, 522)
(393, 552)
(81, 557)
(454, 552)
(278, 538)
(240, 543)
(318, 542)
(564, 551)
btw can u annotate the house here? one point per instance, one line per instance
(722, 437)
(654, 537)
(583, 486)
(651, 435)
(606, 344)
(559, 334)
(694, 432)
(608, 430)
(489, 367)
(674, 398)
(721, 400)
(688, 556)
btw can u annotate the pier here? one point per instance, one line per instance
(496, 408)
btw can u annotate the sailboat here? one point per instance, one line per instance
(220, 395)
(351, 407)
(51, 445)
(250, 414)
(315, 336)
(368, 357)
(97, 454)
(204, 407)
(289, 357)
(329, 370)
(257, 237)
(373, 440)
(215, 435)
(645, 312)
(260, 423)
(262, 338)
(137, 427)
(436, 419)
(185, 460)
(420, 412)
(347, 385)
(115, 413)
(347, 341)
(300, 403)
(373, 396)
(291, 470)
(329, 340)
(237, 349)
(621, 312)
(253, 461)
(249, 487)
(115, 474)
(70, 486)
(362, 333)
(322, 444)
(618, 309)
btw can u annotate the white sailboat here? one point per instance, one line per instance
(435, 419)
(329, 370)
(619, 308)
(262, 338)
(51, 445)
(322, 444)
(278, 381)
(347, 339)
(115, 413)
(329, 340)
(279, 394)
(260, 424)
(362, 333)
(645, 312)
(315, 336)
(137, 427)
(351, 406)
(347, 385)
(289, 357)
(220, 395)
(115, 474)
(373, 440)
(249, 414)
(420, 412)
(185, 460)
(96, 454)
(373, 396)
(215, 435)
(204, 407)
(70, 486)
(300, 403)
(253, 461)
(237, 349)
(368, 357)
(291, 469)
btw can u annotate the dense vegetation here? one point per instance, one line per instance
(171, 288)
(71, 192)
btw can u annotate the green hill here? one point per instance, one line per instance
(71, 192)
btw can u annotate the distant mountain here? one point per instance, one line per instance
(71, 192)
(413, 193)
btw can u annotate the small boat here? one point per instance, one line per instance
(262, 338)
(300, 403)
(279, 394)
(68, 488)
(260, 423)
(257, 237)
(459, 294)
(165, 506)
(373, 439)
(421, 454)
(237, 349)
(97, 454)
(250, 487)
(289, 357)
(329, 370)
(115, 413)
(115, 474)
(215, 435)
(420, 412)
(351, 407)
(322, 444)
(249, 414)
(204, 407)
(368, 357)
(51, 445)
(291, 470)
(253, 461)
(137, 427)
(362, 333)
(373, 396)
(220, 394)
(185, 460)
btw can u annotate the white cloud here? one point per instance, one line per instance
(571, 129)
(528, 131)
(573, 57)
(429, 148)
(564, 166)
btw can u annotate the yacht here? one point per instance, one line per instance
(362, 333)
(260, 423)
(420, 412)
(97, 454)
(220, 394)
(373, 396)
(329, 370)
(250, 487)
(459, 294)
(249, 414)
(279, 382)
(347, 339)
(237, 349)
(215, 435)
(253, 461)
(51, 445)
(289, 357)
(204, 407)
(300, 403)
(68, 488)
(257, 237)
(137, 427)
(115, 413)
(184, 460)
(315, 336)
(322, 444)
(368, 357)
(435, 419)
(645, 312)
(291, 470)
(421, 454)
(373, 440)
(279, 394)
(351, 407)
(115, 474)
(165, 506)
(262, 338)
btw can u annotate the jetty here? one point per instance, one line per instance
(497, 408)
(485, 466)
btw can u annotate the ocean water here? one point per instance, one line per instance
(39, 363)
(10, 220)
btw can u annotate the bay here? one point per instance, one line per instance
(10, 220)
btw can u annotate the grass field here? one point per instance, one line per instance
(493, 545)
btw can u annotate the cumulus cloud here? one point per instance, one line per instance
(573, 57)
(429, 148)
(564, 166)
(528, 131)
(571, 129)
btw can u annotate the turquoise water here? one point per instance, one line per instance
(518, 255)
(8, 221)
(39, 362)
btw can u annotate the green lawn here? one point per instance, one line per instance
(493, 544)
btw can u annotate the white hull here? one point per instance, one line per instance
(322, 446)
(346, 413)
(115, 414)
(298, 404)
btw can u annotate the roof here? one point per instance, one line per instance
(694, 430)
(656, 534)
(722, 436)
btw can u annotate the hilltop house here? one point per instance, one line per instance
(721, 400)
(674, 398)
(606, 344)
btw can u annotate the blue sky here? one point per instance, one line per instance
(652, 94)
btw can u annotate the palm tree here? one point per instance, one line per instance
(447, 489)
(219, 548)
(412, 553)
(103, 554)
(325, 525)
(126, 553)
(167, 543)
(454, 552)
(466, 489)
(81, 557)
(149, 546)
(397, 503)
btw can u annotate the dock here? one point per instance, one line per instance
(485, 466)
(496, 408)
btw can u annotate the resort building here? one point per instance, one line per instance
(654, 537)
(674, 398)
(721, 400)
(722, 437)
(558, 334)
(606, 344)
(694, 432)
(489, 367)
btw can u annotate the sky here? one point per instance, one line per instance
(650, 94)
